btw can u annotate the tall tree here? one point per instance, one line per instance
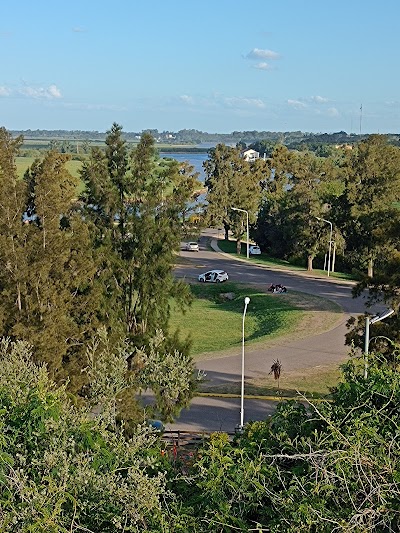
(46, 283)
(13, 262)
(367, 210)
(136, 205)
(232, 182)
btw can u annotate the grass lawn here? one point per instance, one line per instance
(23, 163)
(229, 247)
(214, 324)
(73, 166)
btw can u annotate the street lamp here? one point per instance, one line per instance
(368, 321)
(246, 303)
(247, 225)
(330, 241)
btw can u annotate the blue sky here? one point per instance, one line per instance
(216, 65)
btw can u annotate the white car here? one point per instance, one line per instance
(254, 250)
(214, 276)
(192, 247)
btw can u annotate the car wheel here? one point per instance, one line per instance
(202, 280)
(218, 280)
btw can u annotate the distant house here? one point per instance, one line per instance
(249, 155)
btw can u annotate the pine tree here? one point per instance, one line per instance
(48, 296)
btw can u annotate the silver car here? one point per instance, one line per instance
(214, 276)
(254, 250)
(192, 247)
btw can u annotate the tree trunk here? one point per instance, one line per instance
(309, 263)
(238, 246)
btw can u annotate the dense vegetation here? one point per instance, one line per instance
(310, 467)
(294, 198)
(70, 266)
(87, 289)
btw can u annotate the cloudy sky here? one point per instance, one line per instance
(215, 65)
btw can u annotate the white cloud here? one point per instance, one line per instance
(297, 104)
(4, 91)
(319, 99)
(186, 99)
(391, 103)
(262, 66)
(257, 53)
(54, 92)
(333, 112)
(236, 101)
(95, 107)
(49, 92)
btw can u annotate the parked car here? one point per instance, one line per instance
(254, 250)
(214, 276)
(192, 247)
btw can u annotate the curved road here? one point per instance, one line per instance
(216, 414)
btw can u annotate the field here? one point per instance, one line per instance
(23, 163)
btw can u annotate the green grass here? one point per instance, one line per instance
(214, 324)
(73, 166)
(229, 247)
(24, 162)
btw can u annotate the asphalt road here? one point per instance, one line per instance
(223, 414)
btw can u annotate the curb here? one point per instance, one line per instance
(260, 397)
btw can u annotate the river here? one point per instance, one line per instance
(194, 159)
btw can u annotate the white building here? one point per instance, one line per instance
(249, 155)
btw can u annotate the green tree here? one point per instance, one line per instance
(139, 221)
(13, 262)
(329, 466)
(49, 273)
(232, 182)
(366, 211)
(294, 194)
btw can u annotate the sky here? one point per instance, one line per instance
(216, 66)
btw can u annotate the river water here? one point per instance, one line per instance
(194, 159)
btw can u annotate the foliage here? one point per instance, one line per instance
(64, 470)
(310, 467)
(70, 267)
(232, 183)
(366, 210)
(48, 275)
(137, 230)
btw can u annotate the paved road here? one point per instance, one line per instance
(212, 414)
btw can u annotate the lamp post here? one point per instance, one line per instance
(247, 225)
(330, 241)
(368, 322)
(246, 303)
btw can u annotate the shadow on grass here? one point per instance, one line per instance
(270, 313)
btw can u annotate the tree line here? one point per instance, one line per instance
(72, 264)
(295, 201)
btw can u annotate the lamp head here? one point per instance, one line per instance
(247, 300)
